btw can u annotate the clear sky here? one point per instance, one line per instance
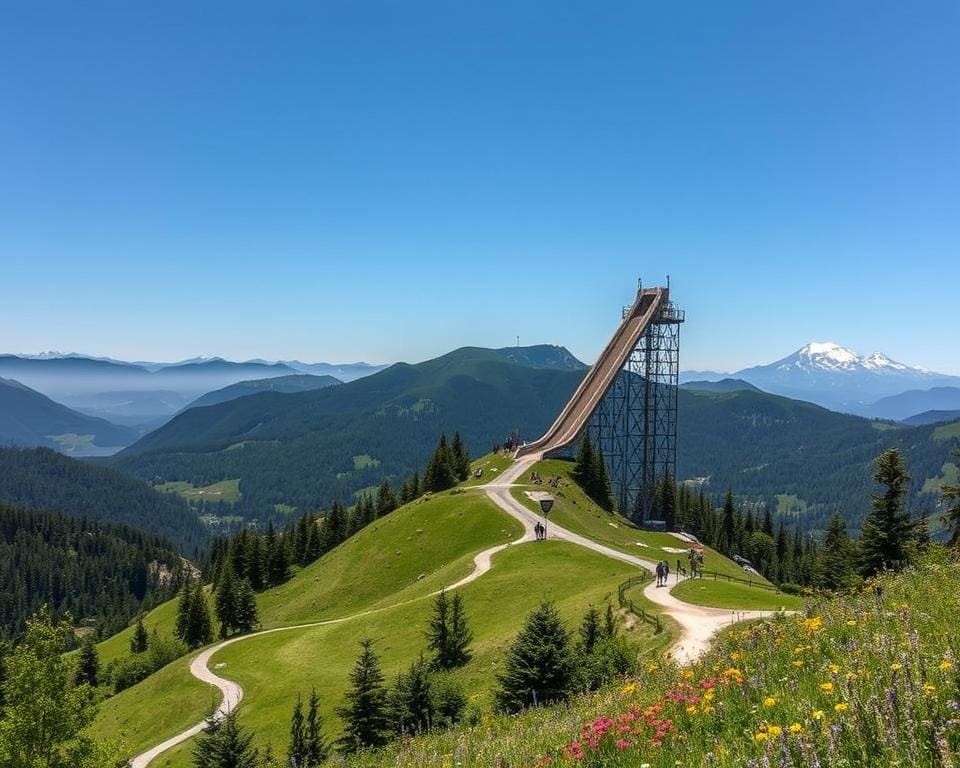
(389, 180)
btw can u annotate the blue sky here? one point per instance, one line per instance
(389, 180)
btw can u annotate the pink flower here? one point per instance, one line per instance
(622, 744)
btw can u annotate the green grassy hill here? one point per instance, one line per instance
(385, 572)
(298, 382)
(813, 689)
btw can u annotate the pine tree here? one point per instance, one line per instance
(602, 494)
(200, 625)
(226, 601)
(278, 557)
(411, 700)
(887, 529)
(334, 527)
(438, 630)
(297, 750)
(590, 630)
(88, 663)
(182, 626)
(584, 467)
(728, 526)
(140, 640)
(539, 668)
(246, 616)
(461, 459)
(256, 566)
(666, 503)
(225, 744)
(386, 501)
(314, 540)
(609, 624)
(316, 749)
(460, 636)
(300, 541)
(365, 713)
(951, 517)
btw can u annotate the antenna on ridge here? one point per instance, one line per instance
(668, 282)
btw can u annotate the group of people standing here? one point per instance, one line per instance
(663, 572)
(541, 530)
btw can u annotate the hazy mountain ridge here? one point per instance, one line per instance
(297, 382)
(30, 419)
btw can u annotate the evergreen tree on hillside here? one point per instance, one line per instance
(88, 663)
(334, 527)
(728, 527)
(590, 473)
(200, 625)
(411, 699)
(256, 566)
(365, 713)
(441, 472)
(460, 636)
(887, 529)
(140, 640)
(316, 749)
(539, 667)
(313, 539)
(665, 504)
(590, 630)
(951, 499)
(602, 494)
(438, 629)
(226, 601)
(296, 750)
(277, 557)
(225, 744)
(461, 459)
(386, 500)
(246, 616)
(184, 605)
(609, 623)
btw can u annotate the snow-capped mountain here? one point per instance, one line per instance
(837, 377)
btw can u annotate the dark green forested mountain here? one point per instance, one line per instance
(305, 449)
(102, 573)
(723, 385)
(300, 382)
(763, 445)
(30, 419)
(45, 480)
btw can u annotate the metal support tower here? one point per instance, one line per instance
(635, 423)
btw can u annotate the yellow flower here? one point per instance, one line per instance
(851, 676)
(813, 625)
(852, 623)
(708, 710)
(652, 667)
(826, 687)
(929, 690)
(896, 666)
(945, 666)
(798, 663)
(760, 737)
(736, 656)
(833, 669)
(709, 695)
(795, 728)
(629, 689)
(691, 709)
(817, 714)
(769, 702)
(774, 730)
(841, 707)
(687, 674)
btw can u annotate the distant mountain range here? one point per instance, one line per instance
(300, 382)
(304, 449)
(28, 418)
(838, 378)
(146, 394)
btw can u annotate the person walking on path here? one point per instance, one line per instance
(660, 574)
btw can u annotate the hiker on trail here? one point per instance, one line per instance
(666, 572)
(660, 574)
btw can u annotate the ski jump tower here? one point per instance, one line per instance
(627, 403)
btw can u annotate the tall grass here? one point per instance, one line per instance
(868, 679)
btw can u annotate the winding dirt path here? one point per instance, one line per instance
(697, 623)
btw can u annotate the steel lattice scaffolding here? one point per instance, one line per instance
(635, 423)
